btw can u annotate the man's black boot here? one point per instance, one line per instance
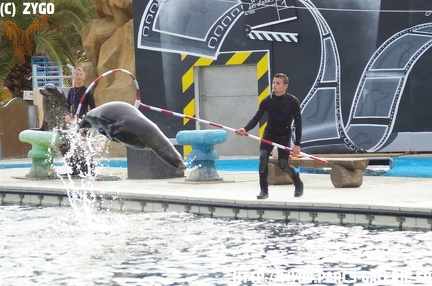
(263, 194)
(298, 184)
(283, 164)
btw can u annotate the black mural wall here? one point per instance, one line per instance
(361, 69)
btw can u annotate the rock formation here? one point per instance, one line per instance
(109, 44)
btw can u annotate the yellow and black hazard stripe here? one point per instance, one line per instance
(259, 58)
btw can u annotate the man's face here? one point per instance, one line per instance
(278, 86)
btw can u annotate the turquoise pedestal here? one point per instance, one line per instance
(41, 153)
(202, 157)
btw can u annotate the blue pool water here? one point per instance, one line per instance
(223, 165)
(411, 167)
(237, 165)
(420, 167)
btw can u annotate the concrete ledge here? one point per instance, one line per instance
(399, 203)
(401, 218)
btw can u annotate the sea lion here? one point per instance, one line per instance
(123, 123)
(55, 108)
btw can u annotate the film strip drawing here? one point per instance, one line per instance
(199, 28)
(187, 26)
(376, 101)
(321, 111)
(274, 12)
(382, 83)
(169, 26)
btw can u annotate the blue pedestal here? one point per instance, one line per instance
(202, 158)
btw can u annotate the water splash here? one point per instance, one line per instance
(190, 166)
(81, 153)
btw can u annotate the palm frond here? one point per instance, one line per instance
(57, 36)
(69, 13)
(68, 50)
(7, 60)
(48, 44)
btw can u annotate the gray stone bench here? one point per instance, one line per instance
(344, 173)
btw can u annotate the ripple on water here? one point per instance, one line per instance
(57, 246)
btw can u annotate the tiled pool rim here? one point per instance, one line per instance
(402, 217)
(397, 218)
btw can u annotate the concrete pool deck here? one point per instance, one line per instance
(403, 203)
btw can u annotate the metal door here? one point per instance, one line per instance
(228, 95)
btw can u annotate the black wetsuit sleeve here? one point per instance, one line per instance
(297, 122)
(254, 121)
(90, 100)
(69, 99)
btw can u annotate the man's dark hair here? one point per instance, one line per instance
(283, 77)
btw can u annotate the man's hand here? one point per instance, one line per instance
(68, 119)
(241, 132)
(296, 151)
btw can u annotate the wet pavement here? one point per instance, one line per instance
(380, 200)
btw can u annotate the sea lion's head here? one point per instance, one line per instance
(51, 90)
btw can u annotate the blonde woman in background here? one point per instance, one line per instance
(80, 165)
(76, 93)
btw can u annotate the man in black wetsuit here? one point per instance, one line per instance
(282, 109)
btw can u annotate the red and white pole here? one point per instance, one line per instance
(168, 112)
(138, 96)
(139, 104)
